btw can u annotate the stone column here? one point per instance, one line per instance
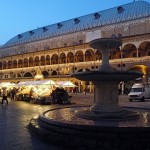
(105, 59)
(106, 97)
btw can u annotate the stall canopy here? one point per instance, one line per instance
(66, 84)
(6, 84)
(38, 82)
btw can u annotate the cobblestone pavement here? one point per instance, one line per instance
(15, 117)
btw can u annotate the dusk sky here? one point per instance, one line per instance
(18, 16)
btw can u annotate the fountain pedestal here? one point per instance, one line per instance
(106, 97)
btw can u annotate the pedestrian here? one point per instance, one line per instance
(4, 94)
(13, 93)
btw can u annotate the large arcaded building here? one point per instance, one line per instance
(60, 49)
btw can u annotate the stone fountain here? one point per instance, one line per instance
(106, 81)
(105, 125)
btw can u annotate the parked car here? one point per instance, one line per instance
(139, 91)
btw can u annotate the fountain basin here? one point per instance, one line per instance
(61, 126)
(105, 43)
(107, 76)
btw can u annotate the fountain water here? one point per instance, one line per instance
(105, 125)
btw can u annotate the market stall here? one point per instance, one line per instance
(36, 91)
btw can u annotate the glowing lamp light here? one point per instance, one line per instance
(38, 75)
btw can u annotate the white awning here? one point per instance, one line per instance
(38, 82)
(66, 84)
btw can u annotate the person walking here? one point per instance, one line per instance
(4, 94)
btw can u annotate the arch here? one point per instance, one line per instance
(70, 57)
(4, 65)
(14, 64)
(1, 65)
(62, 58)
(79, 56)
(144, 48)
(47, 60)
(89, 55)
(25, 62)
(87, 69)
(45, 74)
(98, 55)
(28, 74)
(141, 68)
(54, 59)
(31, 62)
(116, 54)
(36, 61)
(20, 63)
(148, 53)
(42, 60)
(81, 70)
(54, 73)
(9, 64)
(129, 51)
(19, 75)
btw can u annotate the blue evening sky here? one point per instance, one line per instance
(18, 16)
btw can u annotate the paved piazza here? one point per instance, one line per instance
(14, 118)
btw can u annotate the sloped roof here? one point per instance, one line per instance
(127, 12)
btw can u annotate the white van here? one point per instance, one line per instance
(139, 91)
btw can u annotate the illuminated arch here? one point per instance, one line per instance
(62, 58)
(98, 55)
(47, 60)
(54, 73)
(129, 51)
(45, 74)
(79, 56)
(31, 62)
(42, 60)
(20, 63)
(144, 48)
(28, 74)
(36, 61)
(54, 59)
(70, 57)
(89, 55)
(9, 64)
(14, 63)
(26, 62)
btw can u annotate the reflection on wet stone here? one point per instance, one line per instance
(67, 116)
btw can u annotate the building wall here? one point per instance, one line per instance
(135, 51)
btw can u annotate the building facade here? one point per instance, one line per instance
(61, 49)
